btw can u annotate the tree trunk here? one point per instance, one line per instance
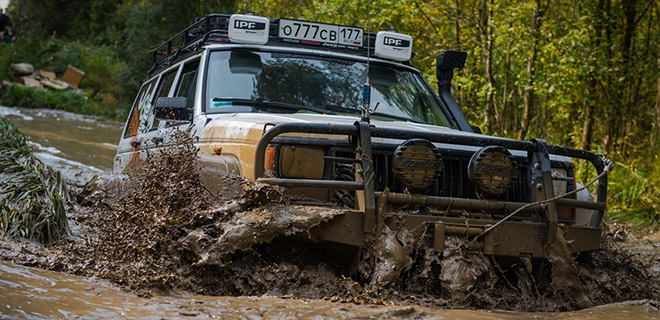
(505, 89)
(608, 138)
(457, 26)
(529, 91)
(588, 125)
(655, 137)
(630, 12)
(488, 37)
(587, 130)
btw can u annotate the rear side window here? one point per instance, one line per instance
(188, 82)
(164, 86)
(141, 103)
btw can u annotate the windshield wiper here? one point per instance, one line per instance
(391, 116)
(378, 114)
(337, 108)
(265, 104)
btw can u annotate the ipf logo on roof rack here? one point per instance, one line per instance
(392, 45)
(248, 29)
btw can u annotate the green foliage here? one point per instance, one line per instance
(69, 100)
(31, 194)
(587, 71)
(104, 73)
(634, 194)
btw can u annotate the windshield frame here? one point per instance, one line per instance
(322, 54)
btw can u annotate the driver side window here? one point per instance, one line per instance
(188, 83)
(166, 81)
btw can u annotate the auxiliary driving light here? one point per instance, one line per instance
(491, 170)
(301, 162)
(417, 162)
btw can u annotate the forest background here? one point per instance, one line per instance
(577, 73)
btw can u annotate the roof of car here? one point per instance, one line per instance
(213, 29)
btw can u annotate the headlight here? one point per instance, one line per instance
(417, 162)
(559, 181)
(301, 162)
(583, 217)
(492, 170)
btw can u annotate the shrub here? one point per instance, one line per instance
(68, 100)
(634, 193)
(31, 193)
(105, 74)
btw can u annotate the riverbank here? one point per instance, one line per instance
(68, 100)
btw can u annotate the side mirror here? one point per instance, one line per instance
(172, 108)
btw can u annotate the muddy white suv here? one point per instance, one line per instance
(339, 118)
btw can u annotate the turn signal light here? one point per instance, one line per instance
(269, 163)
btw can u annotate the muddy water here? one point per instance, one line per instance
(68, 140)
(34, 293)
(31, 293)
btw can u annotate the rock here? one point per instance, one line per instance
(22, 68)
(31, 82)
(55, 84)
(47, 74)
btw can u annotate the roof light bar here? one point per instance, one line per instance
(392, 45)
(248, 29)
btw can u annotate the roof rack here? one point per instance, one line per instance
(213, 28)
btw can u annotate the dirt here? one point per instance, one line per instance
(160, 230)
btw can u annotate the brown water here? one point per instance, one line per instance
(31, 293)
(68, 140)
(84, 146)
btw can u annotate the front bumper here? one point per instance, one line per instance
(511, 238)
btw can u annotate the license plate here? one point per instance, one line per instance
(320, 32)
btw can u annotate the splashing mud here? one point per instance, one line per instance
(160, 229)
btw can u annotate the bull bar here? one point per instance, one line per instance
(372, 215)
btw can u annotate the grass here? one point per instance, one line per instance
(634, 194)
(107, 88)
(31, 193)
(68, 100)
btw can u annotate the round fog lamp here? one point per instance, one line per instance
(492, 170)
(417, 162)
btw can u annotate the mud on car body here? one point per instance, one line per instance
(339, 118)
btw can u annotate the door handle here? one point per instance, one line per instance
(136, 144)
(157, 140)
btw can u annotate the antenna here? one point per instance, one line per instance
(366, 88)
(368, 42)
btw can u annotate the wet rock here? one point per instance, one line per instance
(22, 68)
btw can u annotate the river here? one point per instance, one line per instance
(84, 146)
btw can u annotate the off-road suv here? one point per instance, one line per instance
(339, 118)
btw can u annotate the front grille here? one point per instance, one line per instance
(452, 182)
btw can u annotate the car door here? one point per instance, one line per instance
(129, 143)
(153, 137)
(186, 86)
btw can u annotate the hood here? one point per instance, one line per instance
(262, 119)
(251, 126)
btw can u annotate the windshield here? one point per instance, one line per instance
(252, 81)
